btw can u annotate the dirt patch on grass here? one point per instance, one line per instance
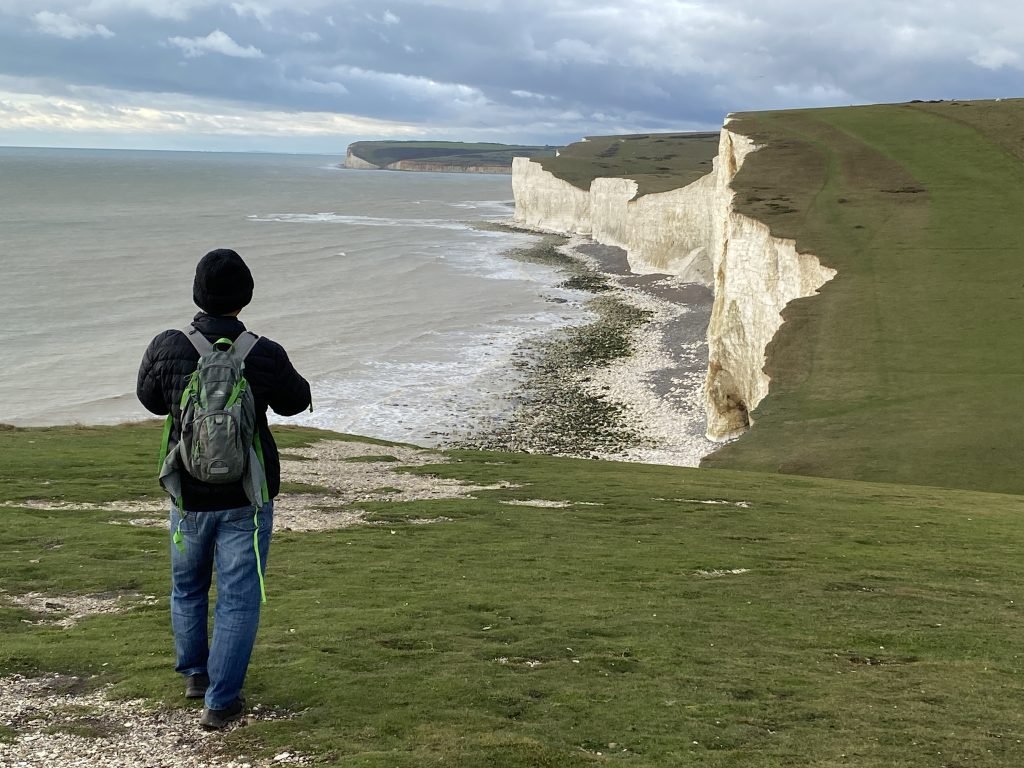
(378, 476)
(549, 503)
(351, 473)
(121, 507)
(58, 721)
(66, 610)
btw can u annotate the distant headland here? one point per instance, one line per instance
(440, 156)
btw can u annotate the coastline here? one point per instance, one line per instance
(626, 386)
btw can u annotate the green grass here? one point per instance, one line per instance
(657, 162)
(877, 625)
(100, 464)
(383, 153)
(908, 367)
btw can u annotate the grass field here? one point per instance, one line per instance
(657, 162)
(383, 153)
(797, 621)
(909, 367)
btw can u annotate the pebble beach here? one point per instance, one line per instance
(628, 385)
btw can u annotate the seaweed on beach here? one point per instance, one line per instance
(556, 413)
(581, 276)
(548, 252)
(563, 419)
(592, 282)
(607, 338)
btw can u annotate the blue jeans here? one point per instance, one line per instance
(223, 540)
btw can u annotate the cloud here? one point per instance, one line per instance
(67, 27)
(177, 10)
(569, 49)
(815, 94)
(528, 95)
(256, 10)
(215, 42)
(996, 57)
(319, 86)
(412, 87)
(91, 110)
(517, 69)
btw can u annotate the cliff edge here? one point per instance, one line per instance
(692, 232)
(438, 156)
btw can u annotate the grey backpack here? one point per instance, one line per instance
(219, 441)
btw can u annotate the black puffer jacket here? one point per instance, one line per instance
(169, 361)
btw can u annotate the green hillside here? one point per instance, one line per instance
(647, 616)
(657, 162)
(383, 153)
(909, 366)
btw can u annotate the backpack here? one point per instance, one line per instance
(219, 441)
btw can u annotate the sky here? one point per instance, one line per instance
(315, 75)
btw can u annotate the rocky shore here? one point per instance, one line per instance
(626, 386)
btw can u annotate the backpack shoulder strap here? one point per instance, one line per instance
(199, 341)
(243, 344)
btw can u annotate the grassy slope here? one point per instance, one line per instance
(658, 162)
(383, 153)
(878, 625)
(909, 365)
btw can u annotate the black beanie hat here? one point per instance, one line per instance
(223, 283)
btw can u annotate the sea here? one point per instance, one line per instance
(403, 312)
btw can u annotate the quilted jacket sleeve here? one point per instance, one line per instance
(290, 394)
(149, 387)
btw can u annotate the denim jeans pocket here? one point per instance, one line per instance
(241, 519)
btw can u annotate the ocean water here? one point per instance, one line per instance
(402, 313)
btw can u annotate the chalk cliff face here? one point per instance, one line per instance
(667, 232)
(427, 166)
(546, 202)
(354, 161)
(692, 232)
(755, 276)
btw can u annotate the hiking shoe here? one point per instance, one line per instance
(215, 719)
(196, 685)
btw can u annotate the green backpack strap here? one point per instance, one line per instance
(259, 494)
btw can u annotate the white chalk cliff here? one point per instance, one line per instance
(694, 233)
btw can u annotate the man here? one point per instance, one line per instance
(217, 522)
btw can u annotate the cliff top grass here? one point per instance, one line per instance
(657, 162)
(457, 153)
(660, 617)
(909, 365)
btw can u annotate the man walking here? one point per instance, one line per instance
(217, 525)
